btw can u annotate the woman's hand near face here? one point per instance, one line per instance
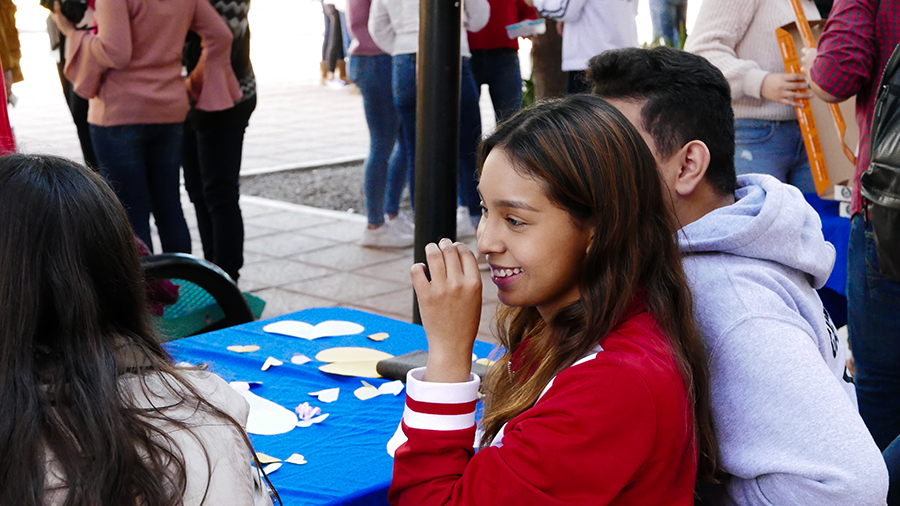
(450, 305)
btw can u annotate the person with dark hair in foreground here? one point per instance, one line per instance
(783, 404)
(94, 411)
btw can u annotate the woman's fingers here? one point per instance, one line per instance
(435, 258)
(451, 259)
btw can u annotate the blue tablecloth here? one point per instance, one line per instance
(346, 455)
(836, 231)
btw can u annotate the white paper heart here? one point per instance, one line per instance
(303, 330)
(367, 392)
(266, 417)
(296, 459)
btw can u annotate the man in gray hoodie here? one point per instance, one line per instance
(784, 406)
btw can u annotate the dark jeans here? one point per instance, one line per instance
(499, 69)
(874, 319)
(404, 82)
(386, 165)
(211, 158)
(141, 164)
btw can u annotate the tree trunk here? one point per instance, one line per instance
(546, 57)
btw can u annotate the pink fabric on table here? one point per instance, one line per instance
(130, 70)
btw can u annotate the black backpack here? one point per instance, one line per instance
(880, 183)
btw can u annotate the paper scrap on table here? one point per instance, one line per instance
(303, 330)
(237, 348)
(266, 459)
(352, 361)
(271, 468)
(300, 359)
(329, 395)
(296, 459)
(305, 411)
(391, 387)
(270, 362)
(266, 418)
(485, 362)
(379, 336)
(366, 392)
(311, 421)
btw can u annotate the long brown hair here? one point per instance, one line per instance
(73, 319)
(593, 163)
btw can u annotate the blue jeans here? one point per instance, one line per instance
(386, 165)
(892, 459)
(142, 164)
(668, 17)
(873, 304)
(775, 148)
(499, 69)
(404, 81)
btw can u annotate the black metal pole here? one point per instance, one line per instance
(437, 124)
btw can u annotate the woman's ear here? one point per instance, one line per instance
(694, 160)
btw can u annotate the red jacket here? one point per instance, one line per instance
(503, 12)
(615, 428)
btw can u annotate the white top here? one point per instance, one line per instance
(394, 25)
(738, 37)
(591, 27)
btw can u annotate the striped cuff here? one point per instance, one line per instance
(439, 406)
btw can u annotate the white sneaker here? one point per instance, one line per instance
(401, 224)
(385, 237)
(464, 226)
(335, 83)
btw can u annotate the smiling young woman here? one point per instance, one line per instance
(601, 396)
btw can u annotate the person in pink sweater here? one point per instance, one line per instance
(130, 70)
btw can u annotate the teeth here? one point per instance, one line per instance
(503, 273)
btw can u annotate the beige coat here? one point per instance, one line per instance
(229, 477)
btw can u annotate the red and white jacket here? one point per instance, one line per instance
(615, 428)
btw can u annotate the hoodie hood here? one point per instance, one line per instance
(769, 221)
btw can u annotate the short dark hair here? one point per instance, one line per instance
(687, 98)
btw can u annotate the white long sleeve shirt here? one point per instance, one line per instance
(591, 27)
(394, 24)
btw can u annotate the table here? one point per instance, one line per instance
(347, 460)
(836, 231)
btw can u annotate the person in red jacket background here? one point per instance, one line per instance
(601, 394)
(495, 57)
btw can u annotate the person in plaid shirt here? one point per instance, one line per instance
(857, 42)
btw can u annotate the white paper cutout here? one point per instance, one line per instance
(271, 468)
(303, 330)
(308, 423)
(300, 359)
(391, 387)
(351, 354)
(366, 392)
(237, 348)
(266, 459)
(266, 417)
(296, 459)
(329, 395)
(270, 362)
(379, 336)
